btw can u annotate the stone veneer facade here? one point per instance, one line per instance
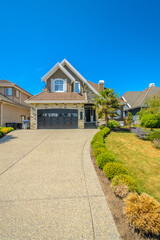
(36, 106)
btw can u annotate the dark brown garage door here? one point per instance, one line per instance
(57, 118)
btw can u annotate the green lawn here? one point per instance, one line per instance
(140, 158)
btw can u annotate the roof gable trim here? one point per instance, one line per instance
(78, 75)
(54, 69)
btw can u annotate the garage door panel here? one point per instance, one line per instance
(57, 118)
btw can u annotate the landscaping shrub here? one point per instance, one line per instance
(154, 135)
(125, 179)
(141, 133)
(150, 120)
(2, 133)
(156, 143)
(99, 150)
(102, 126)
(113, 124)
(112, 169)
(143, 213)
(5, 130)
(121, 190)
(99, 137)
(105, 157)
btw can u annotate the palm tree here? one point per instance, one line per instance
(106, 104)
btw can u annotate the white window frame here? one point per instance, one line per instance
(17, 93)
(53, 81)
(10, 94)
(59, 84)
(78, 87)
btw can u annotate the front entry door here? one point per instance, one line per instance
(89, 115)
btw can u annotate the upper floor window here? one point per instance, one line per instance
(8, 91)
(58, 85)
(77, 87)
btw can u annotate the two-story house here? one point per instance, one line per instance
(67, 100)
(13, 107)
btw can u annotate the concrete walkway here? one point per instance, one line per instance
(49, 188)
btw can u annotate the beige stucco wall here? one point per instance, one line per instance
(0, 114)
(35, 107)
(13, 113)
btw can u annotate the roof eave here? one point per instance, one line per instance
(56, 101)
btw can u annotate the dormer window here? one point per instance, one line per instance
(77, 87)
(8, 91)
(59, 85)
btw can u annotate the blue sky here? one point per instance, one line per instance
(114, 40)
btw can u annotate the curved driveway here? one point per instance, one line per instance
(49, 188)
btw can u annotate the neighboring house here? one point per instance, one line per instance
(135, 100)
(66, 102)
(12, 103)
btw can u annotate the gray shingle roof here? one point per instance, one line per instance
(137, 99)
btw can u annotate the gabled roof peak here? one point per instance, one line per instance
(60, 65)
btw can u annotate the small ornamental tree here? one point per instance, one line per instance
(106, 104)
(129, 119)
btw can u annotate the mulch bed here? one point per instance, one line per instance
(116, 206)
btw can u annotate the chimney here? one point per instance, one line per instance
(152, 85)
(101, 85)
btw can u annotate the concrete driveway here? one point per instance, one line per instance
(49, 188)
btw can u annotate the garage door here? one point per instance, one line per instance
(57, 118)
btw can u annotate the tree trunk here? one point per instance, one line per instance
(106, 119)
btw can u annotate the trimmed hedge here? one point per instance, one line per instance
(105, 157)
(99, 137)
(125, 179)
(98, 143)
(99, 150)
(154, 135)
(112, 169)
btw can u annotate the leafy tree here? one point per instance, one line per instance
(150, 115)
(152, 105)
(106, 104)
(129, 119)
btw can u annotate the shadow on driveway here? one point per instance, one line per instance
(6, 138)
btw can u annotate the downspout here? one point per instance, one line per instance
(1, 114)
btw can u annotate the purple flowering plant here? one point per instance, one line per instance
(141, 133)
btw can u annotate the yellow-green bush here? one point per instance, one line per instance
(99, 150)
(99, 137)
(125, 179)
(143, 213)
(5, 130)
(112, 169)
(105, 157)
